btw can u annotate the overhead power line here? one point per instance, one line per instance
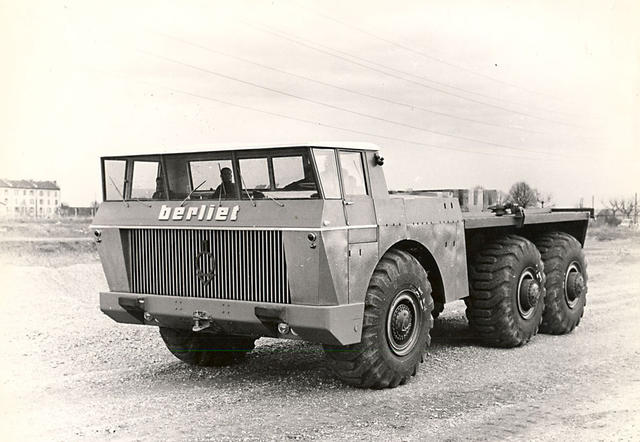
(351, 91)
(331, 106)
(317, 123)
(420, 53)
(330, 51)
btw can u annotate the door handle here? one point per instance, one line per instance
(348, 203)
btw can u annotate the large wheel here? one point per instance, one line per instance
(206, 349)
(395, 330)
(507, 292)
(566, 271)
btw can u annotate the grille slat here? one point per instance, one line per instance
(248, 265)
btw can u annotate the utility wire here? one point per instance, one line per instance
(330, 51)
(317, 123)
(451, 86)
(331, 106)
(351, 91)
(420, 53)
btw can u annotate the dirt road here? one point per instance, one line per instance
(68, 372)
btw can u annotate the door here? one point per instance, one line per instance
(358, 204)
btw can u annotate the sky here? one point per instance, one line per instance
(456, 93)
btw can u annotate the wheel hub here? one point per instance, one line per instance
(574, 286)
(403, 322)
(528, 293)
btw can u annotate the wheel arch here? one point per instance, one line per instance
(428, 262)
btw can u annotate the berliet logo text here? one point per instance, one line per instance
(206, 212)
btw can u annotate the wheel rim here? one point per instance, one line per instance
(573, 284)
(528, 293)
(403, 322)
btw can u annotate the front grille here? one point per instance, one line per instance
(243, 265)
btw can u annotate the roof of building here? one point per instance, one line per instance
(29, 184)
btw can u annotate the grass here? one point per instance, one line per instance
(605, 232)
(45, 228)
(33, 242)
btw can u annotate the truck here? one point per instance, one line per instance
(218, 248)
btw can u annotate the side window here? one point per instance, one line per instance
(352, 171)
(114, 179)
(144, 179)
(328, 171)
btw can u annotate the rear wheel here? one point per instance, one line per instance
(506, 292)
(206, 349)
(395, 331)
(566, 271)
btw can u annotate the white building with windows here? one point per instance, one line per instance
(29, 198)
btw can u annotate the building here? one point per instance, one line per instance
(29, 198)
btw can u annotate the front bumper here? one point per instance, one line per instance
(338, 325)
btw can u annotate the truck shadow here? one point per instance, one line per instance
(296, 365)
(452, 330)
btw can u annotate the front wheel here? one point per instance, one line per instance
(395, 331)
(206, 349)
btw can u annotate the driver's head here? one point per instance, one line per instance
(226, 174)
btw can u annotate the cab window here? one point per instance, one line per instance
(114, 174)
(352, 171)
(328, 172)
(213, 179)
(146, 179)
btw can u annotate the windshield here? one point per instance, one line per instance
(271, 174)
(282, 176)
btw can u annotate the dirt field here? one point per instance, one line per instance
(68, 372)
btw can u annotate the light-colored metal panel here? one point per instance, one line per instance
(363, 258)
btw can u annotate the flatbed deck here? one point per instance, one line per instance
(480, 220)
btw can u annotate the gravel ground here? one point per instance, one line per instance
(68, 372)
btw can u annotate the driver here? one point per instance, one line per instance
(227, 188)
(159, 193)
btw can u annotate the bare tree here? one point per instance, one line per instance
(624, 206)
(523, 195)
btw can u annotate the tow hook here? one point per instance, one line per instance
(201, 320)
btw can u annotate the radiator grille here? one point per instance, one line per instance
(242, 265)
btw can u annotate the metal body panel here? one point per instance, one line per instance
(265, 213)
(333, 276)
(303, 265)
(339, 325)
(436, 224)
(113, 256)
(363, 258)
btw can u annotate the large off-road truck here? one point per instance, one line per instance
(218, 248)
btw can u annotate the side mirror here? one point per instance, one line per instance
(379, 159)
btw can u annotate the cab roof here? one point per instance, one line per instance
(354, 145)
